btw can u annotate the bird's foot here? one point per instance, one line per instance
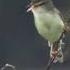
(57, 56)
(53, 55)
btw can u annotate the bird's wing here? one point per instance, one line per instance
(65, 15)
(64, 8)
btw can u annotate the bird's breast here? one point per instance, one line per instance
(50, 26)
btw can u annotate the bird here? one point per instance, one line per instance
(50, 25)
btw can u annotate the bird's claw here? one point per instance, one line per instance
(53, 54)
(57, 56)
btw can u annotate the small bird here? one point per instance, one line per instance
(50, 25)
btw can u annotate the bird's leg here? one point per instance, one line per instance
(54, 50)
(56, 45)
(49, 44)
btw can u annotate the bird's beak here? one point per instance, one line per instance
(29, 8)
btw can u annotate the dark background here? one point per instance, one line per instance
(20, 44)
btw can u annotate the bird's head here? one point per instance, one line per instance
(35, 4)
